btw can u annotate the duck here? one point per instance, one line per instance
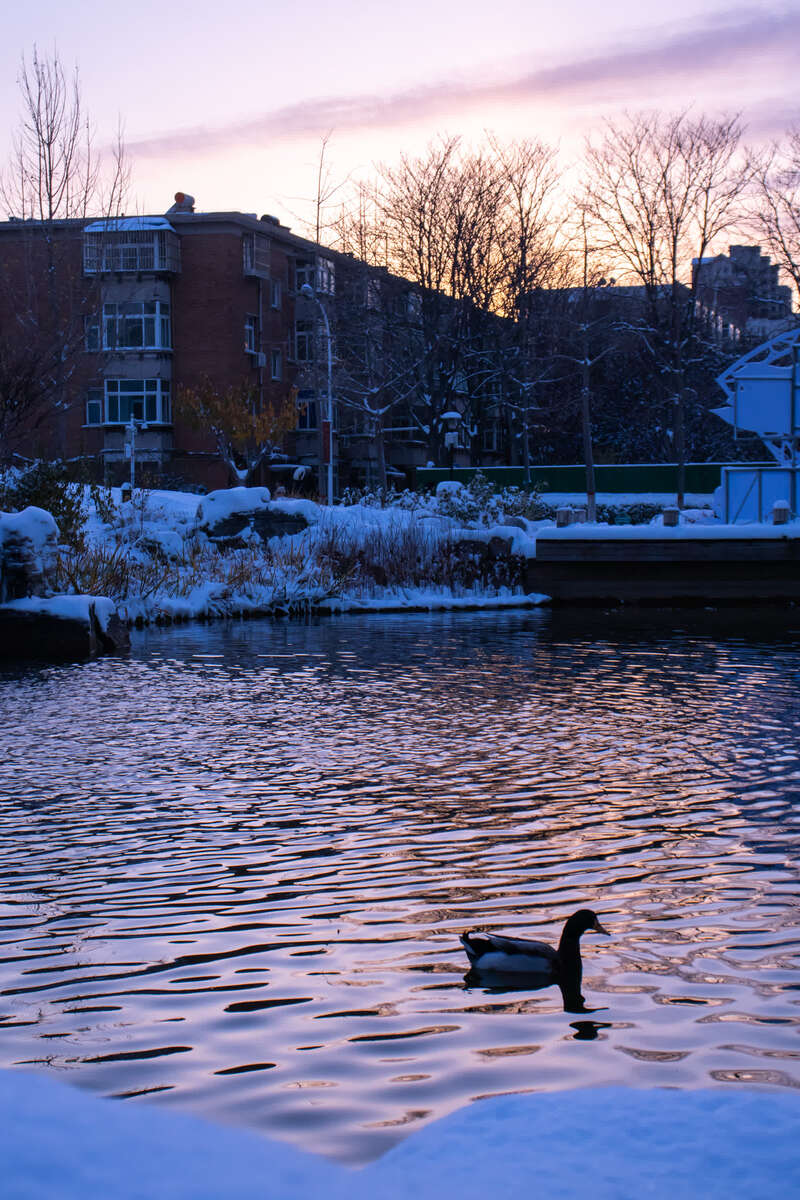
(496, 954)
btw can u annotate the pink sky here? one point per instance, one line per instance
(231, 104)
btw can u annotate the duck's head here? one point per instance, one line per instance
(583, 921)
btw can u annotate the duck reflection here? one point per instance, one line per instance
(498, 982)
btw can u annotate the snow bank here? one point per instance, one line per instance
(594, 1144)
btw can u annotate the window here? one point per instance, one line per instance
(304, 273)
(91, 334)
(306, 410)
(276, 364)
(94, 406)
(326, 276)
(255, 254)
(251, 334)
(137, 325)
(304, 341)
(320, 274)
(140, 399)
(131, 249)
(491, 438)
(275, 293)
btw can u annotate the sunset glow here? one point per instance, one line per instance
(234, 108)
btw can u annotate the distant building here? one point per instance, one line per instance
(740, 295)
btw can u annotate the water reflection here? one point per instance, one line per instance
(235, 868)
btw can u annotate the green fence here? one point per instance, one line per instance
(701, 478)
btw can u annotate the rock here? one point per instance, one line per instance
(28, 542)
(61, 628)
(499, 547)
(227, 516)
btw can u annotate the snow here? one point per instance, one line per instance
(68, 608)
(34, 524)
(682, 532)
(592, 1144)
(431, 600)
(366, 556)
(217, 506)
(123, 224)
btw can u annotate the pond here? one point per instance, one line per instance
(235, 866)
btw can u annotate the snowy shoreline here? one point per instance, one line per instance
(589, 1144)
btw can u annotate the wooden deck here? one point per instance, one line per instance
(663, 570)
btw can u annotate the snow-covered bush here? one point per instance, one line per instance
(480, 503)
(47, 486)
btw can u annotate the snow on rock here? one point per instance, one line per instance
(229, 502)
(68, 608)
(592, 1144)
(447, 487)
(28, 542)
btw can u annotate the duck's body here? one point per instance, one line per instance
(495, 953)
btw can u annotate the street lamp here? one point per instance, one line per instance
(327, 425)
(451, 420)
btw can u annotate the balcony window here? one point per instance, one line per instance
(137, 325)
(138, 399)
(130, 245)
(326, 276)
(304, 273)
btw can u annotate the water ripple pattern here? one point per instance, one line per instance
(235, 867)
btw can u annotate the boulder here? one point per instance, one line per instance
(61, 628)
(28, 542)
(228, 516)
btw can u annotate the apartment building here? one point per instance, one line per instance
(740, 294)
(136, 307)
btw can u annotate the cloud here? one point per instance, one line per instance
(732, 43)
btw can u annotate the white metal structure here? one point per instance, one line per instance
(763, 392)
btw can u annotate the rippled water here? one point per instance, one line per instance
(234, 868)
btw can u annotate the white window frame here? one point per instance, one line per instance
(275, 364)
(146, 400)
(150, 317)
(275, 293)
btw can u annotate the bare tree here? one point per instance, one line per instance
(53, 177)
(777, 217)
(658, 192)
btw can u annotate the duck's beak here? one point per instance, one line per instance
(598, 928)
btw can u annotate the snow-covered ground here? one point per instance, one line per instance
(57, 1143)
(158, 556)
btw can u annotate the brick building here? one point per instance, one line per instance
(134, 307)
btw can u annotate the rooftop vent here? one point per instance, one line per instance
(183, 203)
(270, 219)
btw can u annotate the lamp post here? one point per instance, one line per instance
(451, 421)
(327, 425)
